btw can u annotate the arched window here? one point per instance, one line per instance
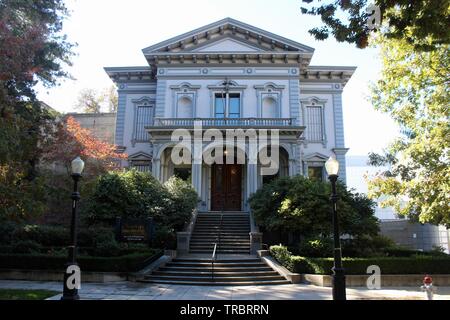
(185, 108)
(269, 108)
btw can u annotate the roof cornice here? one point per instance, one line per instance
(228, 25)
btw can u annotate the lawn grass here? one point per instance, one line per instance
(16, 294)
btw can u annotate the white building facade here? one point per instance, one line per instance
(230, 75)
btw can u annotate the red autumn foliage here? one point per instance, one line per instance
(71, 140)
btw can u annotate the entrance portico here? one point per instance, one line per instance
(226, 185)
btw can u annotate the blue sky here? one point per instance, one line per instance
(112, 33)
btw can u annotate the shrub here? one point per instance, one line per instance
(44, 235)
(298, 204)
(183, 200)
(26, 246)
(7, 229)
(127, 263)
(419, 264)
(367, 246)
(133, 194)
(165, 238)
(316, 247)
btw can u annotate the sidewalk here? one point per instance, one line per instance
(149, 291)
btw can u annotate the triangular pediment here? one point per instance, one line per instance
(227, 44)
(228, 35)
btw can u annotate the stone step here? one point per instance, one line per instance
(217, 283)
(216, 278)
(216, 268)
(220, 243)
(225, 233)
(221, 249)
(234, 251)
(217, 273)
(231, 260)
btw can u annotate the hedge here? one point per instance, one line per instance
(389, 265)
(127, 263)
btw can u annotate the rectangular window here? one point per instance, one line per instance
(220, 103)
(315, 173)
(143, 118)
(227, 105)
(141, 166)
(314, 123)
(234, 105)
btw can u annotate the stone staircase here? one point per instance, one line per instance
(227, 272)
(229, 230)
(233, 264)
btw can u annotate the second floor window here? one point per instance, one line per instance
(314, 123)
(144, 115)
(227, 105)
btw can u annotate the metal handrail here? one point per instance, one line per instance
(214, 255)
(213, 259)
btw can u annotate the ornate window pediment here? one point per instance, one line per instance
(140, 161)
(269, 96)
(184, 98)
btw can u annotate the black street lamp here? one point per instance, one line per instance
(332, 167)
(72, 273)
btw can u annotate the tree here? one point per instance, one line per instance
(32, 50)
(92, 101)
(424, 24)
(71, 140)
(414, 91)
(89, 101)
(302, 205)
(110, 98)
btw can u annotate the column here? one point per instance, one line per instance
(156, 169)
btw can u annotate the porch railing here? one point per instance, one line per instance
(225, 122)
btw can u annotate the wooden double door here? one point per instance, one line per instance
(226, 187)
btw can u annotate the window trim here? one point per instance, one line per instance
(138, 103)
(219, 88)
(314, 102)
(184, 89)
(267, 90)
(227, 103)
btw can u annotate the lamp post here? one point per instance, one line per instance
(332, 167)
(72, 273)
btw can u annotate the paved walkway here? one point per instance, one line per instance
(149, 291)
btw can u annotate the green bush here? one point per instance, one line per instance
(44, 235)
(301, 205)
(419, 264)
(26, 246)
(127, 263)
(316, 247)
(133, 194)
(183, 200)
(165, 238)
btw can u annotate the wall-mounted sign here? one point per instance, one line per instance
(134, 230)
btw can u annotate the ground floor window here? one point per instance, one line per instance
(315, 173)
(141, 166)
